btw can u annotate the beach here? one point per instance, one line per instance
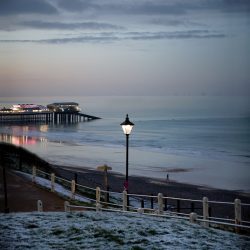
(153, 186)
(137, 184)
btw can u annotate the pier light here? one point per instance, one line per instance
(127, 127)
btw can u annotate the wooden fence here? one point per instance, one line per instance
(125, 202)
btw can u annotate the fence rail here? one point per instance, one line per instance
(127, 202)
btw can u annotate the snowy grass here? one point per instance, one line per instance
(84, 197)
(103, 230)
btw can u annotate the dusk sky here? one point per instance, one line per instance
(116, 47)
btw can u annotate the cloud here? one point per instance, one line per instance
(12, 7)
(153, 7)
(121, 7)
(111, 37)
(77, 5)
(101, 38)
(69, 26)
(236, 6)
(190, 34)
(174, 22)
(168, 22)
(110, 7)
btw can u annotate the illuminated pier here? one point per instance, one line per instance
(46, 117)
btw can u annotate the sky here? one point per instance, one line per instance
(124, 47)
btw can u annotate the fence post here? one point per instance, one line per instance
(192, 207)
(205, 211)
(142, 203)
(66, 206)
(52, 182)
(237, 209)
(98, 199)
(160, 203)
(210, 211)
(107, 195)
(152, 202)
(125, 201)
(76, 180)
(193, 217)
(33, 174)
(140, 210)
(166, 204)
(39, 206)
(73, 189)
(178, 206)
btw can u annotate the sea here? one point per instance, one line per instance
(201, 140)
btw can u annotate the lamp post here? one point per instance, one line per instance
(127, 126)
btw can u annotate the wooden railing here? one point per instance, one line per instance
(126, 202)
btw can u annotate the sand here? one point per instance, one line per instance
(20, 189)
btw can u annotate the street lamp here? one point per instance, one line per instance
(127, 126)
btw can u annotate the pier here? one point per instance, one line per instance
(47, 117)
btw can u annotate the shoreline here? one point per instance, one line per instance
(160, 181)
(68, 171)
(144, 185)
(137, 184)
(196, 171)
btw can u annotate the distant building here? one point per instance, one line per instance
(64, 107)
(71, 107)
(16, 108)
(28, 108)
(5, 110)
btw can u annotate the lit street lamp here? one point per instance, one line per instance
(127, 126)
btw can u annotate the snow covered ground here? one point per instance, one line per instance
(105, 230)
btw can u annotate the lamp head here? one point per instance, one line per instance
(127, 126)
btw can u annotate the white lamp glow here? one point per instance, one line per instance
(127, 126)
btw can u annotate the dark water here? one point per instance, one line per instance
(200, 140)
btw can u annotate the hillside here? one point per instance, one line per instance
(102, 230)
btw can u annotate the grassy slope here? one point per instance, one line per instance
(92, 230)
